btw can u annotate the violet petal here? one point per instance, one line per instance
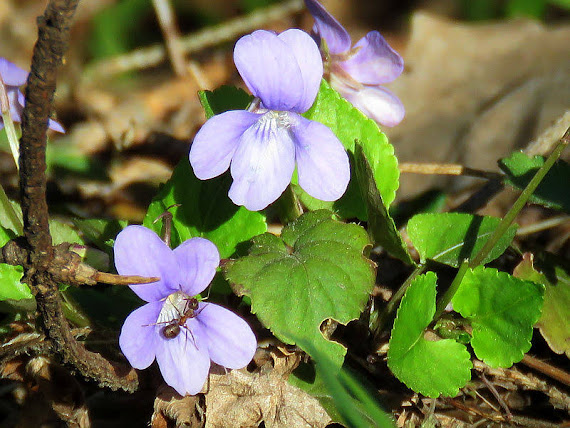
(12, 75)
(16, 100)
(311, 65)
(270, 70)
(375, 62)
(376, 102)
(328, 28)
(139, 251)
(216, 142)
(183, 360)
(55, 126)
(198, 259)
(138, 335)
(231, 342)
(322, 162)
(264, 162)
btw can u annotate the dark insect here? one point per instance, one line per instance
(172, 329)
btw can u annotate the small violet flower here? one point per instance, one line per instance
(14, 77)
(357, 73)
(184, 335)
(263, 143)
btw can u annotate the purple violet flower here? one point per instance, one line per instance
(263, 143)
(14, 77)
(357, 73)
(183, 334)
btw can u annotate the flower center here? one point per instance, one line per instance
(177, 309)
(273, 119)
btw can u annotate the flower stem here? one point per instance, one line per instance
(444, 301)
(521, 201)
(380, 323)
(504, 224)
(9, 124)
(288, 206)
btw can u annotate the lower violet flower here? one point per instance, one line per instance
(264, 143)
(357, 73)
(183, 334)
(14, 77)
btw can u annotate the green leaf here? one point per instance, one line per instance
(450, 238)
(428, 367)
(107, 306)
(352, 402)
(223, 99)
(502, 310)
(117, 28)
(64, 158)
(63, 232)
(381, 227)
(349, 125)
(552, 191)
(204, 210)
(10, 216)
(554, 322)
(10, 285)
(101, 232)
(5, 236)
(525, 8)
(316, 271)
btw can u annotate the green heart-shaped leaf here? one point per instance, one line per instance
(503, 310)
(316, 271)
(431, 368)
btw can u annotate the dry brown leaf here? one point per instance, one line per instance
(139, 169)
(132, 119)
(172, 107)
(243, 399)
(475, 92)
(61, 391)
(170, 406)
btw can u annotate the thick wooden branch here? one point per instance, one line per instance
(41, 272)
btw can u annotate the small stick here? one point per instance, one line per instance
(211, 36)
(166, 217)
(543, 225)
(473, 410)
(167, 21)
(547, 369)
(446, 169)
(497, 396)
(109, 278)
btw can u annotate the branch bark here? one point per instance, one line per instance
(53, 37)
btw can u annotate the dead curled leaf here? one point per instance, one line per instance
(243, 399)
(183, 411)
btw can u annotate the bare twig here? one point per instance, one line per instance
(447, 169)
(167, 21)
(547, 369)
(497, 396)
(540, 226)
(67, 267)
(109, 278)
(211, 36)
(558, 398)
(53, 36)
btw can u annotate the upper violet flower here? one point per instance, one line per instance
(14, 77)
(264, 143)
(357, 73)
(182, 333)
